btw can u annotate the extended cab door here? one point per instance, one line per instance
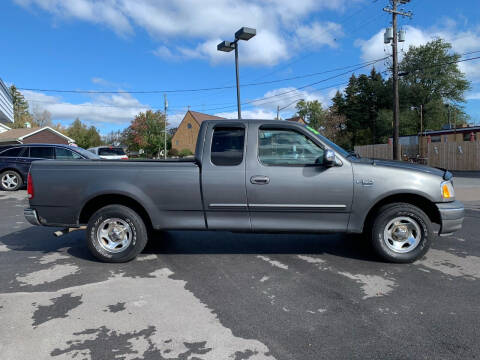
(223, 177)
(289, 188)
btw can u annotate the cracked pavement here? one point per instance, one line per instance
(218, 295)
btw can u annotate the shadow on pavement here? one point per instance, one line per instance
(38, 239)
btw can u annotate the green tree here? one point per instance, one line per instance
(433, 78)
(312, 112)
(83, 135)
(21, 115)
(146, 132)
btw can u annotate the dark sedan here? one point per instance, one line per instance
(15, 161)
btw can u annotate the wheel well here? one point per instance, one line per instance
(423, 203)
(103, 200)
(13, 169)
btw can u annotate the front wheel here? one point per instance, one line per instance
(401, 233)
(116, 233)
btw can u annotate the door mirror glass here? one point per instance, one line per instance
(329, 158)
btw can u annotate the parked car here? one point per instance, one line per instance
(15, 161)
(109, 152)
(248, 176)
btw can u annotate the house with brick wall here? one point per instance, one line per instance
(43, 135)
(186, 135)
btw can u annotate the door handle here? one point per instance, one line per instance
(260, 180)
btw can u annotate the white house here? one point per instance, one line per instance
(6, 106)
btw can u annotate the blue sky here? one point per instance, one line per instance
(136, 45)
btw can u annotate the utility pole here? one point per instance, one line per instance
(165, 107)
(396, 103)
(421, 130)
(278, 112)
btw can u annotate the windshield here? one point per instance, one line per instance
(85, 153)
(111, 151)
(330, 144)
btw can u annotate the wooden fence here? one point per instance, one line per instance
(453, 156)
(385, 151)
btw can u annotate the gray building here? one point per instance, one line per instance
(6, 105)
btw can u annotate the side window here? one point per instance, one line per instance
(227, 146)
(14, 152)
(66, 154)
(41, 152)
(282, 147)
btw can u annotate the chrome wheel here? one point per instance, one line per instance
(402, 234)
(9, 181)
(114, 235)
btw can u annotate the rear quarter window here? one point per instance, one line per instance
(111, 151)
(227, 146)
(14, 152)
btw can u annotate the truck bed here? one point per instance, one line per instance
(164, 187)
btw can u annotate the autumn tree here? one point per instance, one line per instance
(146, 132)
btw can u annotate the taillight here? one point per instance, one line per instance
(124, 158)
(30, 191)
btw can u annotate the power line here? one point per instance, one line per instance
(266, 97)
(366, 63)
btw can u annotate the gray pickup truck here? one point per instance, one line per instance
(247, 176)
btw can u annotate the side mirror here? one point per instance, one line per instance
(329, 158)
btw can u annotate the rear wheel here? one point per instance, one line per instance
(116, 233)
(401, 233)
(10, 180)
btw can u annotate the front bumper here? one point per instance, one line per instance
(31, 216)
(451, 216)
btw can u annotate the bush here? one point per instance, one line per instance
(173, 152)
(185, 152)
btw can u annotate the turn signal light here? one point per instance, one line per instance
(30, 191)
(446, 192)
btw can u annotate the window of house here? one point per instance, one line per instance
(189, 125)
(42, 152)
(437, 138)
(283, 147)
(176, 142)
(65, 154)
(227, 146)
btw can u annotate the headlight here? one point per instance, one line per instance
(447, 191)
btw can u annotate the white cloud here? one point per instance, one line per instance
(280, 22)
(462, 41)
(318, 34)
(289, 96)
(473, 96)
(250, 114)
(115, 109)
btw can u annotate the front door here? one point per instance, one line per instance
(289, 188)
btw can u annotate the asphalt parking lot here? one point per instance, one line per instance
(194, 295)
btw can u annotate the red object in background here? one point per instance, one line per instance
(30, 190)
(472, 136)
(124, 158)
(429, 139)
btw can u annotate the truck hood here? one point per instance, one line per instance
(407, 166)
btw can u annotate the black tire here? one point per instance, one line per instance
(132, 223)
(410, 212)
(14, 174)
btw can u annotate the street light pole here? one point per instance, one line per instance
(239, 109)
(246, 34)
